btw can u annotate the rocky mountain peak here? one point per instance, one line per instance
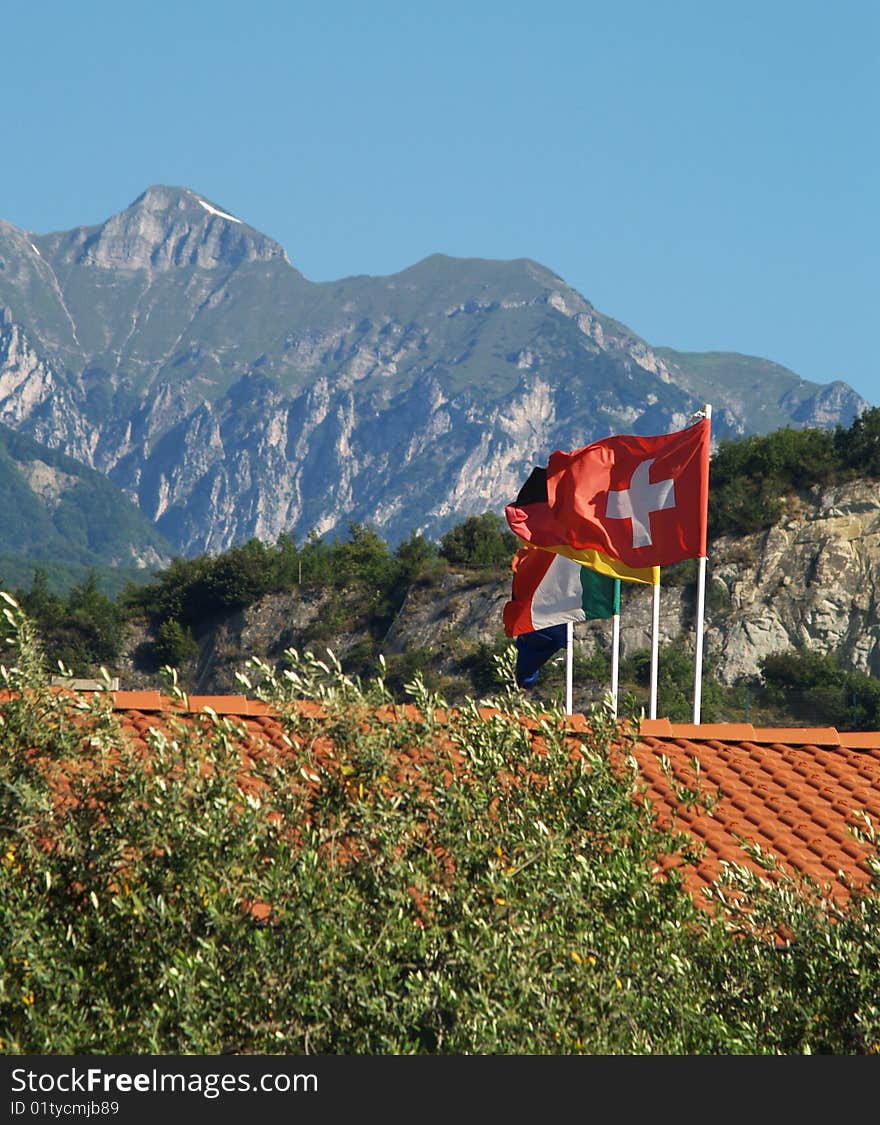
(174, 348)
(165, 228)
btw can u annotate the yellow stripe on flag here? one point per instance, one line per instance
(595, 560)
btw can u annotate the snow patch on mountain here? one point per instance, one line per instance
(214, 211)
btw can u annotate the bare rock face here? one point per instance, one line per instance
(176, 350)
(166, 229)
(811, 581)
(462, 608)
(265, 630)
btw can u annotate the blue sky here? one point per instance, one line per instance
(706, 173)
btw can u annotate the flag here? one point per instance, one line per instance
(548, 591)
(534, 649)
(642, 501)
(530, 519)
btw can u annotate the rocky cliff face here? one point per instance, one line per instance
(176, 349)
(813, 580)
(164, 229)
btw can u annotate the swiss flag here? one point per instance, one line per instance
(642, 500)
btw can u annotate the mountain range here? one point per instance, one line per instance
(177, 352)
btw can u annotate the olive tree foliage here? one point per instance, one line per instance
(502, 897)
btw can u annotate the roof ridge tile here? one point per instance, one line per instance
(860, 739)
(798, 736)
(140, 701)
(221, 704)
(720, 732)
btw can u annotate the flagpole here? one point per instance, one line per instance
(655, 631)
(569, 646)
(698, 656)
(615, 659)
(701, 605)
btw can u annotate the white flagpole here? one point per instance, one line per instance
(701, 604)
(698, 655)
(655, 637)
(569, 646)
(615, 660)
(698, 646)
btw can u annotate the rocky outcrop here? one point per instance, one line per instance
(164, 229)
(811, 581)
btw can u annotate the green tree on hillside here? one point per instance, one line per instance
(82, 630)
(858, 448)
(750, 477)
(817, 688)
(480, 541)
(416, 558)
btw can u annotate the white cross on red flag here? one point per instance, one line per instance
(640, 500)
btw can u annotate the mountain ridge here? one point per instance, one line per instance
(177, 350)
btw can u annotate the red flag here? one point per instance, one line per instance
(532, 521)
(642, 500)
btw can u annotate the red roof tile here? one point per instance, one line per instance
(797, 793)
(794, 792)
(227, 704)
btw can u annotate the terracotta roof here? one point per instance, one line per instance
(795, 792)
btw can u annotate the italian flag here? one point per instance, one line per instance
(550, 589)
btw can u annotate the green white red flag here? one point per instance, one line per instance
(550, 589)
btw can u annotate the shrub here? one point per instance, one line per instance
(416, 558)
(675, 682)
(174, 645)
(82, 630)
(859, 446)
(815, 686)
(492, 900)
(480, 541)
(749, 477)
